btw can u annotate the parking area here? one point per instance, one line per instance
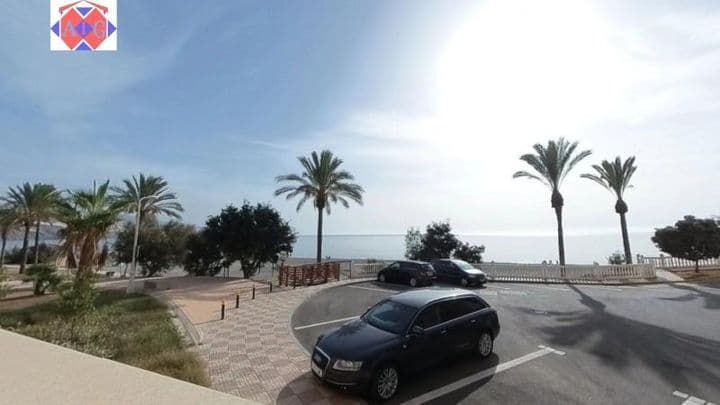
(655, 344)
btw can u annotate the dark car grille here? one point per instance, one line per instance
(341, 377)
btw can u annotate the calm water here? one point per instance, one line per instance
(523, 249)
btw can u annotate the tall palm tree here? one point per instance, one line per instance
(324, 183)
(8, 222)
(88, 215)
(615, 177)
(30, 203)
(551, 164)
(47, 200)
(146, 197)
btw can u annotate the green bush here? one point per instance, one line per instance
(616, 258)
(43, 276)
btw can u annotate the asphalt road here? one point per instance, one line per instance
(607, 345)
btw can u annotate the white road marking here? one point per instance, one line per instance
(437, 393)
(680, 394)
(312, 325)
(371, 288)
(543, 287)
(497, 286)
(604, 287)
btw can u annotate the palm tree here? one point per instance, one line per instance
(31, 204)
(47, 202)
(615, 177)
(146, 197)
(8, 222)
(322, 182)
(88, 215)
(551, 164)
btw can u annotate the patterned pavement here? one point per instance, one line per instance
(253, 354)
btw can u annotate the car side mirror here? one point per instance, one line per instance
(417, 330)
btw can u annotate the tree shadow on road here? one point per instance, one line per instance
(712, 301)
(678, 358)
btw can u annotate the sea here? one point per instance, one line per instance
(579, 249)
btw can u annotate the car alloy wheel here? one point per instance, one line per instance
(387, 383)
(413, 282)
(485, 344)
(381, 278)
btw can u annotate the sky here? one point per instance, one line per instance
(429, 104)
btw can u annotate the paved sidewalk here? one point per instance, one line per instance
(253, 353)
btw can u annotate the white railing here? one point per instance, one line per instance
(519, 271)
(669, 262)
(363, 270)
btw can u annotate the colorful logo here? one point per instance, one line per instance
(83, 25)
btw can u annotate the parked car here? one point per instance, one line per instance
(458, 271)
(406, 332)
(409, 272)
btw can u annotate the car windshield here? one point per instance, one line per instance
(463, 265)
(390, 316)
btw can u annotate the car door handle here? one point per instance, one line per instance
(473, 320)
(443, 332)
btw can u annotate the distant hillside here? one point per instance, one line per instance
(47, 232)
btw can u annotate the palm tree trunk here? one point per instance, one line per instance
(561, 241)
(319, 235)
(37, 242)
(25, 247)
(626, 239)
(2, 252)
(131, 286)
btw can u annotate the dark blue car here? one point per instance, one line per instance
(406, 332)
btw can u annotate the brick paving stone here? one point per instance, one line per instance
(252, 354)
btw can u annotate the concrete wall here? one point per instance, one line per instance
(36, 372)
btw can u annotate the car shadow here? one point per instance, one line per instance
(678, 358)
(450, 371)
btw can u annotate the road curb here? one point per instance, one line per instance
(190, 330)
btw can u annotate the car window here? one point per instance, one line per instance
(428, 318)
(465, 306)
(452, 309)
(394, 266)
(390, 316)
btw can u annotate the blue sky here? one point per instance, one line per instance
(428, 102)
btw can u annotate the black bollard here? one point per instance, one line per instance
(253, 292)
(237, 301)
(222, 311)
(271, 286)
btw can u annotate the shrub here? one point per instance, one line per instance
(43, 276)
(616, 258)
(469, 253)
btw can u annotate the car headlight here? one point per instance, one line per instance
(347, 365)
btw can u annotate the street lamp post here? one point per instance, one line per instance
(131, 283)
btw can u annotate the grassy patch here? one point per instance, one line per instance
(132, 329)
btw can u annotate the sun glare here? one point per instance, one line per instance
(533, 66)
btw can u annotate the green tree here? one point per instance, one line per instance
(202, 256)
(469, 253)
(162, 246)
(324, 183)
(615, 177)
(691, 238)
(8, 223)
(146, 197)
(88, 215)
(439, 242)
(253, 235)
(31, 204)
(552, 163)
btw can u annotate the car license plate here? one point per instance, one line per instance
(316, 369)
